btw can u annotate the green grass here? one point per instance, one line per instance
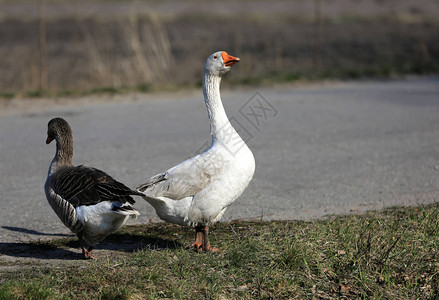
(25, 290)
(379, 255)
(141, 88)
(7, 95)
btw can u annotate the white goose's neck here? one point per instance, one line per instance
(219, 122)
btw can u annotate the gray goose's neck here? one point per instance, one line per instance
(219, 123)
(64, 154)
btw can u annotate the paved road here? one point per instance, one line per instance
(324, 149)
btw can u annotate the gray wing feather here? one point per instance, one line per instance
(87, 186)
(66, 212)
(70, 187)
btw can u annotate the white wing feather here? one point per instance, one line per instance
(185, 179)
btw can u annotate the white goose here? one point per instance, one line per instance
(87, 200)
(197, 191)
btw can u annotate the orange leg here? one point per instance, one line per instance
(198, 244)
(202, 240)
(86, 254)
(206, 243)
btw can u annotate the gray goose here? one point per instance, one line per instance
(87, 200)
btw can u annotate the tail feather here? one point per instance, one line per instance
(153, 180)
(125, 209)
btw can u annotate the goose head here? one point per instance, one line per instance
(58, 129)
(219, 63)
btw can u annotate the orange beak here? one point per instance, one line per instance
(48, 140)
(228, 59)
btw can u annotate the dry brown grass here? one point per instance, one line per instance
(124, 43)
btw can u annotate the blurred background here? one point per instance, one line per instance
(74, 47)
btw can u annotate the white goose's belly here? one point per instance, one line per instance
(173, 211)
(209, 205)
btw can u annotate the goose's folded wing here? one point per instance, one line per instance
(87, 186)
(181, 181)
(172, 186)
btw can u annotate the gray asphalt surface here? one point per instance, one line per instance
(322, 149)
